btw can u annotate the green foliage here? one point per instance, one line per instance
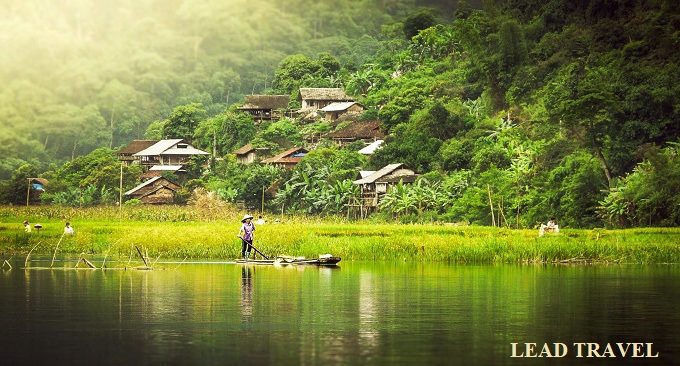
(90, 179)
(418, 21)
(255, 179)
(302, 71)
(649, 195)
(284, 132)
(408, 144)
(183, 121)
(225, 132)
(322, 182)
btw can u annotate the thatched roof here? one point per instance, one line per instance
(136, 146)
(266, 102)
(244, 149)
(336, 94)
(359, 130)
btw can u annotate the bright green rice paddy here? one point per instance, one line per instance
(210, 234)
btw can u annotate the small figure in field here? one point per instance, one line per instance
(550, 227)
(68, 229)
(247, 234)
(260, 220)
(27, 226)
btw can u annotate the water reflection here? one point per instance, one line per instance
(373, 314)
(368, 315)
(247, 293)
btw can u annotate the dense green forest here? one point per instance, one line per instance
(536, 108)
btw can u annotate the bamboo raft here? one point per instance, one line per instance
(323, 260)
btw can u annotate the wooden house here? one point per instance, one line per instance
(167, 152)
(375, 184)
(336, 109)
(287, 159)
(157, 190)
(317, 98)
(265, 107)
(248, 154)
(366, 131)
(126, 153)
(158, 170)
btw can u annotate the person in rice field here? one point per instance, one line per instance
(247, 234)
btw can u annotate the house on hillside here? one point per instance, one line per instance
(126, 153)
(287, 159)
(318, 98)
(337, 109)
(158, 170)
(167, 152)
(157, 190)
(248, 154)
(375, 184)
(265, 107)
(366, 131)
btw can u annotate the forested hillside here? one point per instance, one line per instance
(77, 75)
(512, 111)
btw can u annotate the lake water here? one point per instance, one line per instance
(356, 314)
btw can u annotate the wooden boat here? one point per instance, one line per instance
(323, 260)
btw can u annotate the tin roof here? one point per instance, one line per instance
(158, 148)
(166, 168)
(144, 184)
(189, 150)
(338, 106)
(387, 169)
(371, 148)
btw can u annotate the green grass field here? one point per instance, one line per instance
(210, 233)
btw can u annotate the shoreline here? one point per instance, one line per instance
(158, 231)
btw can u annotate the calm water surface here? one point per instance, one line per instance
(357, 314)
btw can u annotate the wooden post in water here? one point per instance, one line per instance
(142, 256)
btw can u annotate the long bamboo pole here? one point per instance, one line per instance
(120, 189)
(55, 250)
(29, 254)
(28, 192)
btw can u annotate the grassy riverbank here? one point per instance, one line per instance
(210, 233)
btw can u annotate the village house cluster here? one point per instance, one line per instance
(159, 158)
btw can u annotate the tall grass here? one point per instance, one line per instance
(210, 233)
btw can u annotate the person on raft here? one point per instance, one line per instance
(247, 234)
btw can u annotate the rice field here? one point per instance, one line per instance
(209, 233)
